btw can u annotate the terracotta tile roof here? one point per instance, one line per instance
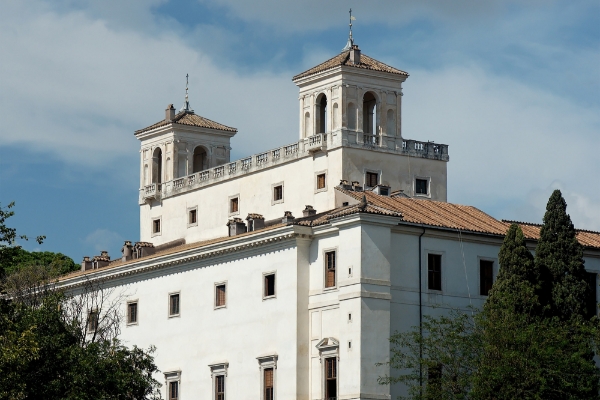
(343, 58)
(532, 231)
(325, 217)
(187, 118)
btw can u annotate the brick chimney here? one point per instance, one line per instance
(308, 211)
(86, 264)
(255, 222)
(143, 249)
(355, 54)
(127, 251)
(170, 113)
(287, 217)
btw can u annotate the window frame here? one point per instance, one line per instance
(172, 377)
(427, 179)
(224, 305)
(264, 363)
(137, 314)
(264, 285)
(169, 297)
(92, 328)
(441, 281)
(191, 210)
(216, 370)
(329, 348)
(368, 172)
(335, 268)
(324, 188)
(493, 263)
(153, 226)
(230, 203)
(273, 188)
(594, 284)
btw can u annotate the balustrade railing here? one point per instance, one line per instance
(291, 149)
(232, 168)
(246, 163)
(275, 154)
(371, 140)
(262, 158)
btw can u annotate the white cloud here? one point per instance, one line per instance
(103, 239)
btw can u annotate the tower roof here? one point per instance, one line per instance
(343, 59)
(190, 119)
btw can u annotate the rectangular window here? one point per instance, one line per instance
(220, 295)
(174, 305)
(132, 311)
(278, 193)
(331, 378)
(193, 217)
(592, 303)
(486, 276)
(268, 377)
(421, 186)
(220, 387)
(92, 321)
(156, 226)
(330, 269)
(269, 285)
(372, 179)
(234, 205)
(173, 390)
(321, 181)
(434, 269)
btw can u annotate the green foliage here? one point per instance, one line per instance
(559, 257)
(44, 358)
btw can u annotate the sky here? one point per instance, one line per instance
(513, 87)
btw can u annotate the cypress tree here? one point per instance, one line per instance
(559, 258)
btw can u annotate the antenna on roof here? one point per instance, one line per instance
(186, 105)
(350, 42)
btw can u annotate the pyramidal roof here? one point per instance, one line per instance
(343, 59)
(189, 118)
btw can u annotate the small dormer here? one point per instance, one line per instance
(351, 91)
(181, 144)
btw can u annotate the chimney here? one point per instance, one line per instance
(170, 113)
(345, 184)
(287, 217)
(356, 186)
(101, 261)
(308, 211)
(382, 190)
(255, 222)
(86, 264)
(127, 251)
(143, 249)
(236, 226)
(355, 54)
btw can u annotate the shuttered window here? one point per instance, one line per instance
(92, 321)
(220, 296)
(277, 193)
(434, 266)
(321, 181)
(173, 390)
(220, 387)
(234, 205)
(269, 285)
(268, 376)
(132, 313)
(330, 269)
(421, 186)
(331, 378)
(174, 304)
(372, 179)
(486, 276)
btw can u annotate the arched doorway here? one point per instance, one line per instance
(157, 166)
(200, 159)
(369, 113)
(322, 113)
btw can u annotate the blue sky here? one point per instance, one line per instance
(513, 87)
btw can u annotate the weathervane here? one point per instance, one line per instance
(186, 104)
(350, 42)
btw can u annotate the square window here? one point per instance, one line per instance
(371, 179)
(156, 226)
(220, 387)
(220, 298)
(486, 276)
(132, 313)
(234, 205)
(330, 269)
(92, 322)
(174, 305)
(434, 269)
(320, 181)
(421, 186)
(278, 193)
(193, 217)
(269, 290)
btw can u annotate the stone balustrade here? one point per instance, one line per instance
(284, 154)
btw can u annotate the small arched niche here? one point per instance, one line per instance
(146, 175)
(200, 161)
(321, 113)
(157, 165)
(369, 113)
(352, 116)
(336, 116)
(391, 122)
(306, 124)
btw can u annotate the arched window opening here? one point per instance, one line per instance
(369, 113)
(182, 165)
(322, 113)
(200, 159)
(391, 123)
(307, 124)
(157, 166)
(336, 117)
(351, 116)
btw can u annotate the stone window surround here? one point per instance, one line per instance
(159, 233)
(215, 295)
(173, 376)
(264, 362)
(189, 210)
(329, 351)
(137, 317)
(425, 178)
(264, 275)
(324, 189)
(169, 305)
(426, 262)
(218, 369)
(337, 270)
(229, 212)
(273, 186)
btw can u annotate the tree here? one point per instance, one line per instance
(559, 257)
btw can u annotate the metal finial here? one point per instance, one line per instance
(186, 105)
(350, 42)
